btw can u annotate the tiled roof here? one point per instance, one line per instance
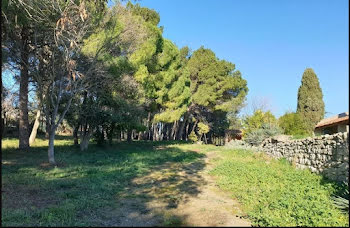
(342, 117)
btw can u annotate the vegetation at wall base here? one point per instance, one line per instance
(274, 193)
(257, 136)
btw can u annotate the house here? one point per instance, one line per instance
(334, 124)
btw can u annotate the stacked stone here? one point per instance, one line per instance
(326, 154)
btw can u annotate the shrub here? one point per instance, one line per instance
(292, 124)
(203, 128)
(257, 136)
(257, 120)
(193, 137)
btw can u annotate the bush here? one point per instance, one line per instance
(203, 128)
(257, 136)
(292, 124)
(193, 137)
(257, 120)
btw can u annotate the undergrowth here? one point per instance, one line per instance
(274, 193)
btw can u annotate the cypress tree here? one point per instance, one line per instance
(310, 100)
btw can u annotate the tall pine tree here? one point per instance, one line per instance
(310, 100)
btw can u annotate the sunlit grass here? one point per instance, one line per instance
(12, 143)
(274, 193)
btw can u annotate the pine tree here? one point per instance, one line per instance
(310, 102)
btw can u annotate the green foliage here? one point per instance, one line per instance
(273, 193)
(257, 120)
(203, 128)
(215, 83)
(216, 88)
(133, 76)
(341, 199)
(193, 137)
(256, 137)
(310, 100)
(172, 83)
(148, 15)
(292, 124)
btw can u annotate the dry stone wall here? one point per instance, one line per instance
(327, 154)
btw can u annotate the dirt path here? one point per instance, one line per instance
(176, 195)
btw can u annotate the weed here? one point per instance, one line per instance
(276, 194)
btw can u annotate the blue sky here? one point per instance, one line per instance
(270, 41)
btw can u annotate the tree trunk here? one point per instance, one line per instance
(51, 152)
(35, 128)
(84, 142)
(174, 130)
(205, 138)
(187, 127)
(47, 125)
(75, 134)
(162, 132)
(210, 138)
(168, 131)
(23, 93)
(194, 126)
(119, 135)
(140, 136)
(129, 134)
(85, 136)
(110, 134)
(149, 133)
(181, 128)
(154, 129)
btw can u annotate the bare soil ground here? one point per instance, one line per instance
(176, 195)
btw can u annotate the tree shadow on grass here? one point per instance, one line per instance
(125, 184)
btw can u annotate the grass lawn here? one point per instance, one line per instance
(273, 193)
(83, 186)
(86, 186)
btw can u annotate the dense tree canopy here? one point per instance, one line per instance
(110, 73)
(310, 100)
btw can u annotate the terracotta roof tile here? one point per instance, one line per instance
(343, 117)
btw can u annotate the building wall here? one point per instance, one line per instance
(332, 129)
(343, 128)
(326, 154)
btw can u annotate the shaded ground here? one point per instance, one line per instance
(137, 184)
(177, 195)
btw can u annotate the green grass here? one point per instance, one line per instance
(87, 186)
(273, 193)
(84, 185)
